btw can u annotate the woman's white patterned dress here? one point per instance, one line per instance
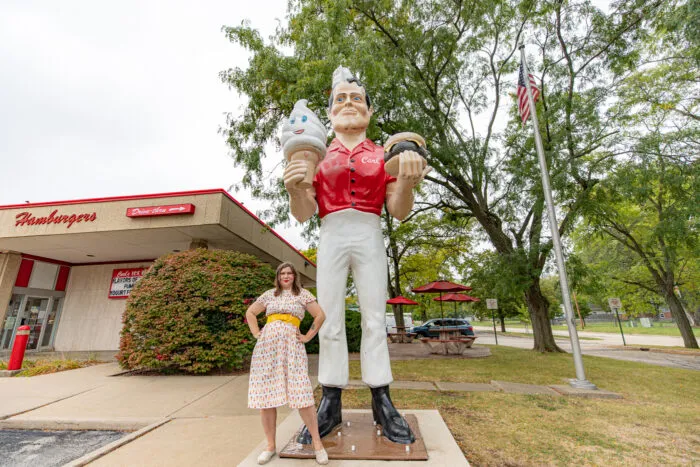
(279, 369)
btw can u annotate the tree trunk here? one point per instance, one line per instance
(538, 307)
(674, 304)
(502, 319)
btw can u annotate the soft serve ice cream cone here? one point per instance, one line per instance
(304, 138)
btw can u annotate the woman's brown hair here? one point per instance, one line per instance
(296, 283)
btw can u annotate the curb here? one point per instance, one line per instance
(127, 424)
(104, 450)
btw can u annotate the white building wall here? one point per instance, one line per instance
(89, 320)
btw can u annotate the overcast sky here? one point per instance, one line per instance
(119, 98)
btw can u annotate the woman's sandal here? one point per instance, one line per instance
(321, 456)
(265, 457)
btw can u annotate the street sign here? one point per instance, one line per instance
(491, 304)
(615, 305)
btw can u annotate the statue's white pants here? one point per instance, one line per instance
(353, 240)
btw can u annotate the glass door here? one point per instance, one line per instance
(36, 310)
(11, 320)
(50, 324)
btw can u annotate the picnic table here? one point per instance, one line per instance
(450, 340)
(401, 336)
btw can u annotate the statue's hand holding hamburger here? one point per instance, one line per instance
(404, 158)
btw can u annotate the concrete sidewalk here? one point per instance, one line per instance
(208, 422)
(180, 420)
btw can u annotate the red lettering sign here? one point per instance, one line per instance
(123, 280)
(152, 211)
(27, 218)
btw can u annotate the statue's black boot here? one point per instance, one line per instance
(394, 426)
(329, 414)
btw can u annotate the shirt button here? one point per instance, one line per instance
(352, 169)
(352, 180)
(352, 204)
(352, 192)
(352, 160)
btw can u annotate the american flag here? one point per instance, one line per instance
(523, 105)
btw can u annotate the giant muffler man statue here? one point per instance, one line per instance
(348, 186)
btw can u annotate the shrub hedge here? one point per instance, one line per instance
(353, 331)
(187, 313)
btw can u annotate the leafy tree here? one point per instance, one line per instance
(649, 203)
(492, 276)
(618, 271)
(438, 68)
(424, 234)
(649, 206)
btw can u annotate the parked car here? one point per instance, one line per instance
(430, 328)
(391, 322)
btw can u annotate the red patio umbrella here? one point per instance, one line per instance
(440, 287)
(456, 297)
(401, 300)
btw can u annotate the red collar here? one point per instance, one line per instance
(336, 145)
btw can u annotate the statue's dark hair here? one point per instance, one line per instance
(359, 83)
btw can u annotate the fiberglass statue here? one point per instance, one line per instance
(349, 189)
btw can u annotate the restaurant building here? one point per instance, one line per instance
(67, 267)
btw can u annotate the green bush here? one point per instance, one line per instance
(187, 313)
(353, 330)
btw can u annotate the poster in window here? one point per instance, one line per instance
(123, 280)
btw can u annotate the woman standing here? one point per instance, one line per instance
(279, 371)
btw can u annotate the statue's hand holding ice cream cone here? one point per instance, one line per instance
(304, 145)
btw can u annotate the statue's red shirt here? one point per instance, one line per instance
(351, 179)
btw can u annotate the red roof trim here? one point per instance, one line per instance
(46, 260)
(128, 261)
(114, 198)
(157, 195)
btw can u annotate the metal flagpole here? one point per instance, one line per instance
(580, 381)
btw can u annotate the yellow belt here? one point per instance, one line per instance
(284, 317)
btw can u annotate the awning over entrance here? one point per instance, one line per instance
(142, 228)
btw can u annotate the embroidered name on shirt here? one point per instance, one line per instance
(367, 160)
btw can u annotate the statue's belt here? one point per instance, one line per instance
(291, 319)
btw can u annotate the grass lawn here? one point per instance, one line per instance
(666, 329)
(656, 422)
(43, 367)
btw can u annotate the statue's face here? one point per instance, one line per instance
(349, 112)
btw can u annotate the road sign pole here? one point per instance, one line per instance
(492, 304)
(493, 318)
(620, 324)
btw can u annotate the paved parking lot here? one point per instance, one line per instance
(20, 448)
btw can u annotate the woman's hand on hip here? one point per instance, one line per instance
(303, 338)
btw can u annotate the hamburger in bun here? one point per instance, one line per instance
(399, 143)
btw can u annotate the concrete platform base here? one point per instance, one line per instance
(358, 438)
(439, 442)
(8, 373)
